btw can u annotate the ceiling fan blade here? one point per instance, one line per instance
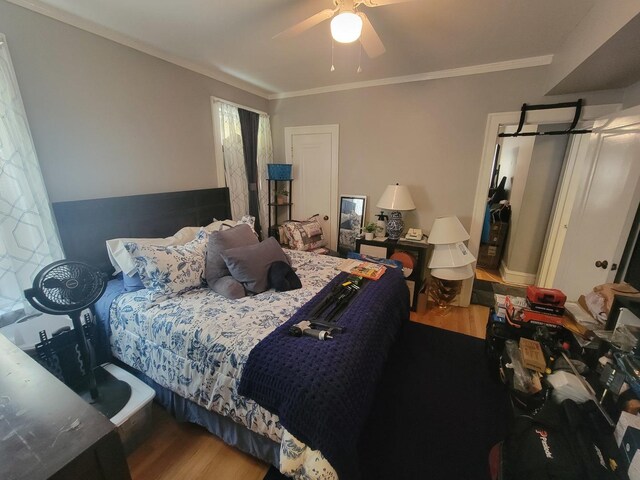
(305, 25)
(369, 38)
(382, 3)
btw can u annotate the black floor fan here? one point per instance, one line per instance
(67, 288)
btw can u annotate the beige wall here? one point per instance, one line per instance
(108, 120)
(427, 135)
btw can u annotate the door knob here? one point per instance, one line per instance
(326, 217)
(604, 264)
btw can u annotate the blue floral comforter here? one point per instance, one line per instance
(197, 345)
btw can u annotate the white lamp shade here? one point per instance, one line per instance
(346, 27)
(454, 273)
(396, 197)
(450, 256)
(447, 230)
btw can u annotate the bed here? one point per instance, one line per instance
(193, 348)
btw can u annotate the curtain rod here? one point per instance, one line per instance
(244, 107)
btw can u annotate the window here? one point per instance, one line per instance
(28, 235)
(232, 164)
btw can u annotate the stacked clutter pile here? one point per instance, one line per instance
(558, 430)
(542, 307)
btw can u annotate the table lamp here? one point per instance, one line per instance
(396, 198)
(450, 261)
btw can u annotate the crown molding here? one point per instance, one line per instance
(421, 77)
(108, 33)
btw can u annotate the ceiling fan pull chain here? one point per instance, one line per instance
(332, 45)
(359, 70)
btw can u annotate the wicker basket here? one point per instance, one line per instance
(279, 171)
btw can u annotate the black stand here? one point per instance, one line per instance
(109, 395)
(112, 394)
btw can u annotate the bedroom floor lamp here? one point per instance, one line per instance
(451, 261)
(396, 198)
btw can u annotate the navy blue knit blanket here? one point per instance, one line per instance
(323, 390)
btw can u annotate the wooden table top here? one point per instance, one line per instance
(44, 425)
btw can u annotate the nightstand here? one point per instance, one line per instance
(386, 248)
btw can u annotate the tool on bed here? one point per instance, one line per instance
(305, 328)
(321, 323)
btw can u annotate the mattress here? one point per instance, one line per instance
(197, 344)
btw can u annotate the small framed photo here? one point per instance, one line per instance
(352, 212)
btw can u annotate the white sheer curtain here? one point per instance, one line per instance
(234, 168)
(28, 235)
(265, 155)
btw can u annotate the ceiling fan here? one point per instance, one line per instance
(348, 24)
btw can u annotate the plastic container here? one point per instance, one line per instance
(279, 171)
(25, 333)
(134, 420)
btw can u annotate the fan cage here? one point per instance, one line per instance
(69, 285)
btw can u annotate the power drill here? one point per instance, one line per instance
(305, 328)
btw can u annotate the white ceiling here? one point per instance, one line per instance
(234, 37)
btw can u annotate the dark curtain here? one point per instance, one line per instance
(249, 126)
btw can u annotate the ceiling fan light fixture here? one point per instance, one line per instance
(346, 27)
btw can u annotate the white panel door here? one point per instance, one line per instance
(312, 151)
(605, 206)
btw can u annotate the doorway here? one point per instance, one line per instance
(313, 153)
(522, 192)
(495, 122)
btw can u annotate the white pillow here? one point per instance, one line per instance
(122, 260)
(167, 271)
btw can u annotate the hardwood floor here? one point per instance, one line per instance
(471, 320)
(489, 275)
(186, 451)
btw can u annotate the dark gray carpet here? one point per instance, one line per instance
(437, 413)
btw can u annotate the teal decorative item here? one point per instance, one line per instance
(279, 171)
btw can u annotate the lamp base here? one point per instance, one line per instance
(443, 292)
(395, 226)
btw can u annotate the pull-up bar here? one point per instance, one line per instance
(570, 131)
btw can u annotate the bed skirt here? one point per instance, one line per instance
(224, 428)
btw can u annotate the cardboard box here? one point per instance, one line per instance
(489, 256)
(498, 233)
(532, 356)
(519, 316)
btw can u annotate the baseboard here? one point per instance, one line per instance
(521, 278)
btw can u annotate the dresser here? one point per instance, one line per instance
(49, 432)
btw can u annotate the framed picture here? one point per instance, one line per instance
(352, 211)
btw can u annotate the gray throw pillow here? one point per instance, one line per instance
(229, 287)
(250, 265)
(239, 236)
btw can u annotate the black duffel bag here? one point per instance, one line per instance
(560, 442)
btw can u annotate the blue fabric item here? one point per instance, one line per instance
(101, 345)
(323, 390)
(132, 284)
(486, 225)
(229, 431)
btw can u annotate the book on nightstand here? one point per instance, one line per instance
(372, 271)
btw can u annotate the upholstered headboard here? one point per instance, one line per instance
(85, 225)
